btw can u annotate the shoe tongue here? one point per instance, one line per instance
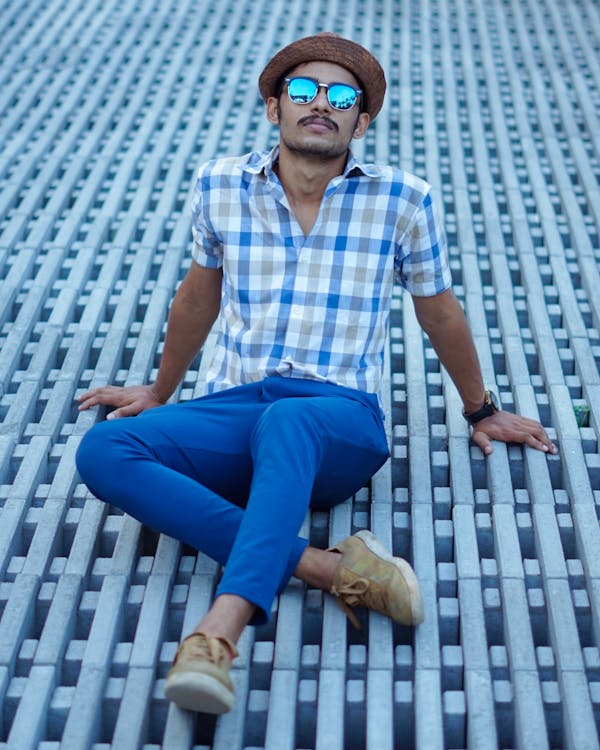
(213, 645)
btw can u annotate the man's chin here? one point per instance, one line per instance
(318, 149)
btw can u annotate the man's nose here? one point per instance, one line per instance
(321, 101)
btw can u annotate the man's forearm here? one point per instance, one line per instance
(457, 354)
(443, 319)
(184, 339)
(194, 310)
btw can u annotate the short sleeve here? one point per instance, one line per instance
(421, 261)
(207, 250)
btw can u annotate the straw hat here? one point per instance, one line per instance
(328, 47)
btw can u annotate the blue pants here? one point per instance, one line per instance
(233, 473)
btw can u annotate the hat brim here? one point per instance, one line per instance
(331, 48)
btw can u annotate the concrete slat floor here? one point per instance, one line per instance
(106, 110)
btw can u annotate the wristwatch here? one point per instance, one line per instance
(490, 406)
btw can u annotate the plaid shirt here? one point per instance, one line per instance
(313, 306)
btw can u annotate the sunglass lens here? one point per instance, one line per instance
(302, 90)
(341, 96)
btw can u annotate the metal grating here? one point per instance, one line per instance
(106, 109)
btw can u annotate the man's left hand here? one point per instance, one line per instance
(511, 428)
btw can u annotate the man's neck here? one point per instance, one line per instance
(305, 178)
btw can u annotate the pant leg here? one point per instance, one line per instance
(184, 470)
(173, 467)
(319, 449)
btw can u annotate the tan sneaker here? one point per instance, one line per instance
(199, 678)
(368, 576)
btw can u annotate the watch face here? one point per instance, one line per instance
(491, 398)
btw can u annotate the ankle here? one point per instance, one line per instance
(317, 568)
(226, 619)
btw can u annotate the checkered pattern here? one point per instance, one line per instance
(317, 306)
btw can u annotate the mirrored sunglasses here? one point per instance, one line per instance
(339, 95)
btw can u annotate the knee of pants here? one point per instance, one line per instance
(99, 451)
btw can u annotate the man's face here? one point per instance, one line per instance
(317, 129)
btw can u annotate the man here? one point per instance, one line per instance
(297, 249)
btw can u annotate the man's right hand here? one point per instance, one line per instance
(129, 400)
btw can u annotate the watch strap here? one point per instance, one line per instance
(489, 407)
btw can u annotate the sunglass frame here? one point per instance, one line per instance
(327, 87)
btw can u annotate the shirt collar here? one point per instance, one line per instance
(263, 162)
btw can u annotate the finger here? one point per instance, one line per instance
(534, 435)
(534, 439)
(105, 396)
(87, 395)
(539, 433)
(117, 413)
(88, 403)
(129, 410)
(546, 446)
(100, 391)
(549, 446)
(482, 440)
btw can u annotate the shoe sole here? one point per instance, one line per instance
(195, 691)
(416, 602)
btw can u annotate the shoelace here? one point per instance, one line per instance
(213, 648)
(360, 591)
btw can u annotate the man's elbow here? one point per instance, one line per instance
(438, 312)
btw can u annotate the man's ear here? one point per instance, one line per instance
(273, 110)
(362, 125)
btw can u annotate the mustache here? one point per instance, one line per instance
(317, 118)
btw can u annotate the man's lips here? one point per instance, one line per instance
(318, 123)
